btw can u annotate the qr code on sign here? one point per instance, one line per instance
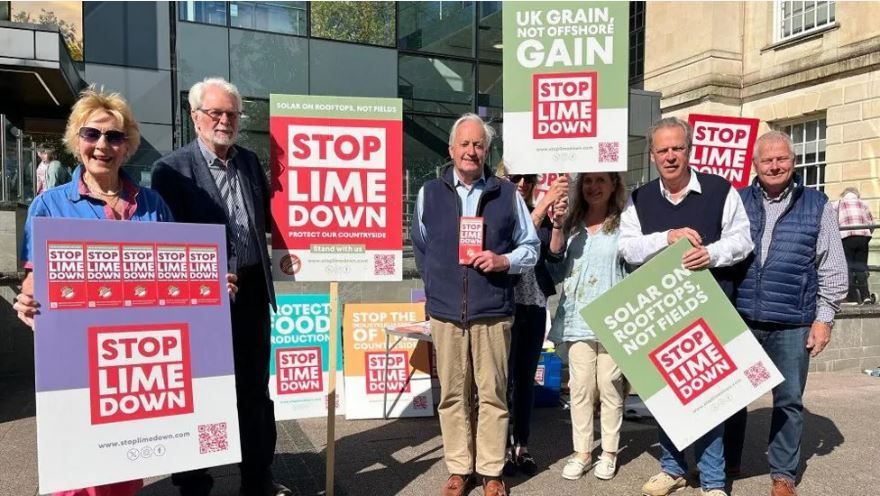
(212, 438)
(383, 265)
(608, 151)
(757, 374)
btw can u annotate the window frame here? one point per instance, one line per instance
(820, 166)
(779, 35)
(228, 24)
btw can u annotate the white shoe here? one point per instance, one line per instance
(605, 467)
(575, 468)
(713, 492)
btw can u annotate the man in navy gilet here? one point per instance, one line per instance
(471, 305)
(788, 295)
(705, 209)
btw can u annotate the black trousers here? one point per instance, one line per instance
(855, 249)
(256, 413)
(527, 336)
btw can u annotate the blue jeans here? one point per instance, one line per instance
(787, 348)
(709, 452)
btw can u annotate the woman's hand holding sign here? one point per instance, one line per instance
(25, 305)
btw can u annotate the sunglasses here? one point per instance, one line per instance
(91, 136)
(530, 178)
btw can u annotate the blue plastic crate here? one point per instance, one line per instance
(548, 380)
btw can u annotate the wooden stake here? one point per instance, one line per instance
(331, 392)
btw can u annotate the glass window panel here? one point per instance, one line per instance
(489, 33)
(809, 19)
(204, 12)
(4, 11)
(799, 149)
(797, 8)
(822, 174)
(256, 115)
(798, 24)
(437, 27)
(811, 128)
(277, 17)
(429, 84)
(66, 16)
(371, 23)
(491, 91)
(822, 15)
(822, 129)
(797, 133)
(831, 8)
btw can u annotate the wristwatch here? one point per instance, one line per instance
(830, 324)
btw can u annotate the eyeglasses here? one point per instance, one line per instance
(530, 178)
(674, 149)
(216, 114)
(91, 136)
(779, 160)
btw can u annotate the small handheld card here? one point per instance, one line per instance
(470, 238)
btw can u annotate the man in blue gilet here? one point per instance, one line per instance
(705, 209)
(470, 302)
(788, 294)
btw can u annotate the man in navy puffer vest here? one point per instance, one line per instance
(684, 203)
(789, 292)
(471, 306)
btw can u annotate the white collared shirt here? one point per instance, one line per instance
(734, 245)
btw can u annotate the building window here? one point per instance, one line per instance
(275, 17)
(4, 11)
(489, 31)
(798, 17)
(371, 23)
(637, 44)
(809, 150)
(66, 16)
(204, 12)
(444, 28)
(436, 85)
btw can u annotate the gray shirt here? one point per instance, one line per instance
(226, 176)
(830, 260)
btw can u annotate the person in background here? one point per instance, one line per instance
(584, 245)
(102, 133)
(852, 211)
(50, 172)
(529, 323)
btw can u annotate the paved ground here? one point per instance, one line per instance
(840, 451)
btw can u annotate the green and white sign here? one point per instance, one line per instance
(566, 86)
(682, 345)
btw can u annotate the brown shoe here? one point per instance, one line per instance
(457, 485)
(783, 487)
(494, 487)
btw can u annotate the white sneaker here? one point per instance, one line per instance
(713, 492)
(575, 468)
(605, 467)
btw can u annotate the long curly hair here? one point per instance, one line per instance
(579, 207)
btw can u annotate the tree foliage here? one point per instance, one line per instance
(361, 22)
(49, 19)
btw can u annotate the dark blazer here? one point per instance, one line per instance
(187, 186)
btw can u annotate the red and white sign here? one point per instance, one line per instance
(139, 276)
(204, 282)
(565, 105)
(298, 370)
(67, 275)
(470, 238)
(724, 146)
(172, 274)
(138, 372)
(397, 380)
(338, 197)
(104, 269)
(692, 361)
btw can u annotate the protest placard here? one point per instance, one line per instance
(723, 146)
(682, 345)
(127, 388)
(337, 201)
(408, 379)
(299, 367)
(566, 88)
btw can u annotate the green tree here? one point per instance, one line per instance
(361, 22)
(49, 19)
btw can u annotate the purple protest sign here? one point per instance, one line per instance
(133, 351)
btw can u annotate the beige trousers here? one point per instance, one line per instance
(467, 356)
(593, 372)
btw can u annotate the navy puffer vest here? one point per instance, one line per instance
(783, 290)
(460, 293)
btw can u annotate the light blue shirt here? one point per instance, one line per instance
(591, 266)
(524, 236)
